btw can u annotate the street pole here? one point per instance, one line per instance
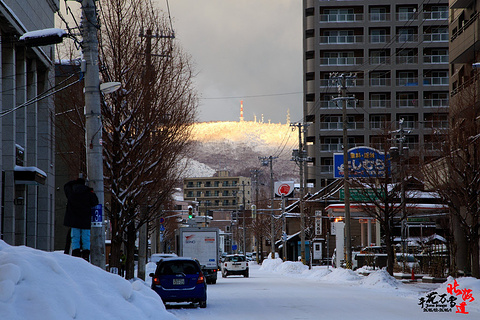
(243, 218)
(93, 125)
(268, 161)
(342, 79)
(284, 233)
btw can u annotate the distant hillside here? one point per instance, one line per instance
(236, 146)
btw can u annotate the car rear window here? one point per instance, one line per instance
(235, 259)
(175, 267)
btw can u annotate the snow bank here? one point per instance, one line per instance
(380, 279)
(270, 264)
(51, 285)
(291, 267)
(339, 275)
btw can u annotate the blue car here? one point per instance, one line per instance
(180, 280)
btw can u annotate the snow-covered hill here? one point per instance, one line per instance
(237, 146)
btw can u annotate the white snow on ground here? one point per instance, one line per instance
(51, 285)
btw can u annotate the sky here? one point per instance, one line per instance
(38, 285)
(246, 50)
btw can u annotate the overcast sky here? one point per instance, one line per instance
(248, 50)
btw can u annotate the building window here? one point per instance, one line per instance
(208, 184)
(190, 194)
(226, 202)
(225, 193)
(190, 184)
(199, 184)
(199, 193)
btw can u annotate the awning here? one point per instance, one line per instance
(29, 175)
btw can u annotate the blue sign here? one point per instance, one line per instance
(97, 216)
(363, 162)
(162, 227)
(234, 247)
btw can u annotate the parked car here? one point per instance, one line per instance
(159, 256)
(180, 280)
(235, 264)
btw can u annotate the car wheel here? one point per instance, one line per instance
(223, 275)
(213, 281)
(246, 274)
(203, 304)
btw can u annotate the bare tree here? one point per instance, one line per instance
(147, 123)
(456, 177)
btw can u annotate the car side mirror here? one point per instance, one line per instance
(151, 275)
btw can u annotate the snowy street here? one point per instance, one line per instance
(267, 295)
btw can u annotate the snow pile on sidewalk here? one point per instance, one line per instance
(381, 279)
(51, 285)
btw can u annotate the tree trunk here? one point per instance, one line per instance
(390, 251)
(130, 263)
(475, 257)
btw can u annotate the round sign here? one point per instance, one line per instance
(162, 220)
(284, 189)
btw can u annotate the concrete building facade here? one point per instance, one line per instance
(395, 57)
(220, 192)
(27, 131)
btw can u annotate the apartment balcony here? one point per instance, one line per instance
(379, 60)
(407, 82)
(435, 59)
(351, 104)
(435, 15)
(353, 17)
(435, 81)
(435, 37)
(382, 38)
(380, 104)
(407, 38)
(380, 82)
(341, 39)
(336, 147)
(406, 16)
(349, 83)
(326, 168)
(407, 59)
(435, 103)
(432, 146)
(436, 124)
(377, 125)
(379, 17)
(339, 126)
(406, 103)
(348, 61)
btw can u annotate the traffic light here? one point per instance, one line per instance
(190, 212)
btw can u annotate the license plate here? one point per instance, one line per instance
(178, 282)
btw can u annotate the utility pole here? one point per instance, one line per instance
(342, 86)
(268, 161)
(300, 157)
(93, 126)
(257, 246)
(243, 218)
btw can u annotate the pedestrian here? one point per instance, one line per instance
(80, 200)
(123, 261)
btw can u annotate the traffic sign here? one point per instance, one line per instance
(162, 220)
(234, 247)
(162, 227)
(284, 188)
(96, 216)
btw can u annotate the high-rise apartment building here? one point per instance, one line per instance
(395, 57)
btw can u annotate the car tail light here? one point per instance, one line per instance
(214, 270)
(247, 264)
(225, 264)
(200, 279)
(156, 281)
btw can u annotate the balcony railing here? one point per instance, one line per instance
(435, 58)
(333, 104)
(435, 15)
(408, 82)
(339, 125)
(341, 39)
(379, 60)
(406, 59)
(406, 16)
(380, 104)
(432, 146)
(406, 103)
(435, 103)
(377, 125)
(404, 38)
(326, 168)
(337, 147)
(436, 124)
(350, 17)
(349, 83)
(435, 81)
(347, 61)
(435, 37)
(379, 17)
(379, 38)
(380, 82)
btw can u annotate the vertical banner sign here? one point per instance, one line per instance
(97, 216)
(318, 223)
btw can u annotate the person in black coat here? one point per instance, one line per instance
(80, 200)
